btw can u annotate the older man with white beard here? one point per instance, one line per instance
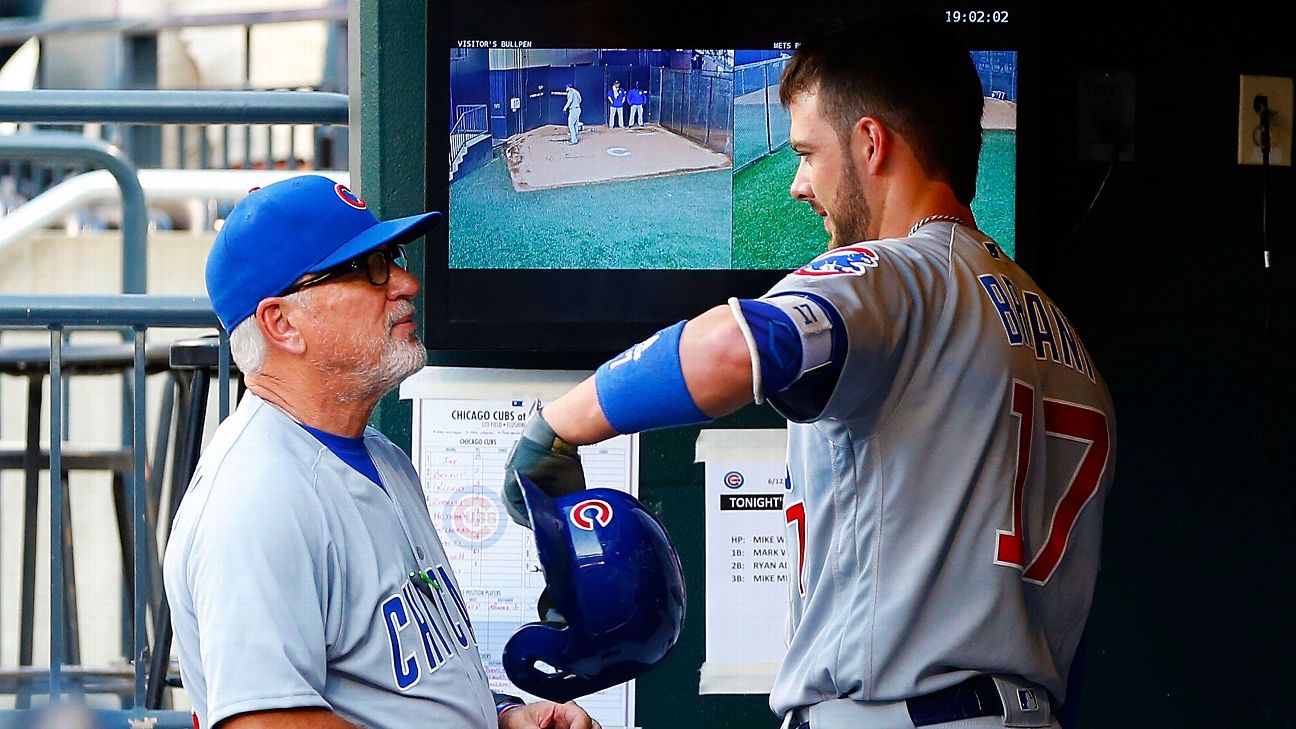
(307, 584)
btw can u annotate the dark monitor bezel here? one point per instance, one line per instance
(595, 313)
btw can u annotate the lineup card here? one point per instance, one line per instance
(460, 447)
(747, 559)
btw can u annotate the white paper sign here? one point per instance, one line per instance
(460, 447)
(747, 560)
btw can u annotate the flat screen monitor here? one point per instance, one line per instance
(610, 168)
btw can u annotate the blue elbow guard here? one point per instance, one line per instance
(788, 335)
(643, 388)
(778, 344)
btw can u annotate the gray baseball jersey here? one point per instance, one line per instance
(945, 492)
(289, 578)
(573, 105)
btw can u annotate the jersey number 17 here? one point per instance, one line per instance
(1066, 420)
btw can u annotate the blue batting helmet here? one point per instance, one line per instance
(615, 579)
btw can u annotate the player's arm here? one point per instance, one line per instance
(287, 719)
(715, 367)
(685, 374)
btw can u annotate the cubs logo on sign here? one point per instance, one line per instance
(474, 520)
(590, 511)
(733, 480)
(849, 260)
(350, 198)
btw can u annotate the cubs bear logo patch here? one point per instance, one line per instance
(848, 260)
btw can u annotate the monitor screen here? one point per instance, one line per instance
(613, 168)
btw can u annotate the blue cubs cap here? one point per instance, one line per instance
(281, 232)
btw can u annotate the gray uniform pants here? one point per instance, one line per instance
(573, 124)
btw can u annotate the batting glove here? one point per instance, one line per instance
(549, 461)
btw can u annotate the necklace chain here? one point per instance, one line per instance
(933, 219)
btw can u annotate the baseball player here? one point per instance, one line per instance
(573, 109)
(950, 442)
(616, 98)
(636, 98)
(307, 584)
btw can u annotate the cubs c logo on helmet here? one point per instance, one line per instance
(350, 198)
(849, 260)
(584, 514)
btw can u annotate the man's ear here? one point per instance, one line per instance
(870, 144)
(275, 318)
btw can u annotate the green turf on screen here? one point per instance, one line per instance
(995, 204)
(674, 222)
(773, 231)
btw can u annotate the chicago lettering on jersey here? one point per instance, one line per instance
(1031, 320)
(414, 631)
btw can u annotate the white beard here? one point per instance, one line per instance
(400, 360)
(386, 363)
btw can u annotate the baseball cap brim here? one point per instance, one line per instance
(398, 230)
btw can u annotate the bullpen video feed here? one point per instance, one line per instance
(654, 159)
(771, 230)
(588, 158)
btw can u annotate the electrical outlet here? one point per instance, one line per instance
(1105, 115)
(1278, 91)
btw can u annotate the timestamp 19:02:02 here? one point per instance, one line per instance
(976, 16)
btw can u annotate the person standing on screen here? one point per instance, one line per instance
(616, 103)
(307, 583)
(573, 109)
(636, 97)
(950, 441)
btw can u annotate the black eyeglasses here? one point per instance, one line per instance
(375, 264)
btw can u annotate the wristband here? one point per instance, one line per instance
(504, 702)
(643, 388)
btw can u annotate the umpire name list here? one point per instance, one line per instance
(747, 559)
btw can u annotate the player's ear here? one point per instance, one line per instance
(276, 318)
(870, 143)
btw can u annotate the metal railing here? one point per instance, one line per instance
(16, 30)
(147, 107)
(219, 111)
(174, 107)
(201, 144)
(470, 121)
(65, 146)
(138, 313)
(98, 187)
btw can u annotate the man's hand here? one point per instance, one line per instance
(549, 461)
(547, 715)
